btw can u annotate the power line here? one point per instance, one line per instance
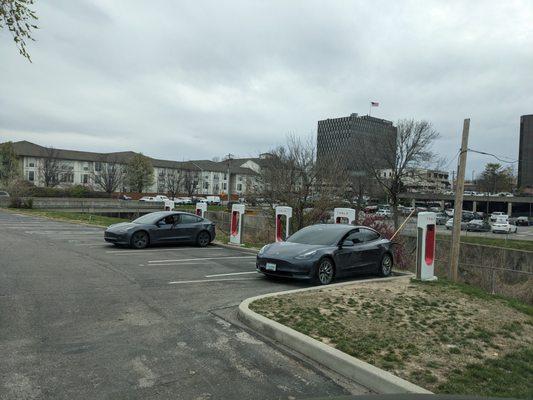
(493, 155)
(452, 160)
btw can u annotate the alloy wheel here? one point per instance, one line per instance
(325, 272)
(140, 240)
(203, 239)
(386, 265)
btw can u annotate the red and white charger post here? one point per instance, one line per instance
(344, 215)
(283, 211)
(169, 205)
(235, 233)
(201, 208)
(425, 248)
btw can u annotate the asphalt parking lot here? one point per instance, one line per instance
(82, 319)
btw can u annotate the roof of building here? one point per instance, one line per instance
(25, 148)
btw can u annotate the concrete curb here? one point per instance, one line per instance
(350, 367)
(235, 247)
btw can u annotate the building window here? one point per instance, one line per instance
(97, 166)
(31, 165)
(85, 178)
(240, 178)
(224, 186)
(225, 176)
(67, 177)
(206, 185)
(239, 187)
(31, 176)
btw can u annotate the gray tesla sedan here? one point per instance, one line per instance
(324, 252)
(162, 227)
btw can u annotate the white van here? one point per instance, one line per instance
(214, 200)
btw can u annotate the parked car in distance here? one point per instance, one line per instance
(3, 193)
(503, 226)
(124, 197)
(182, 200)
(449, 224)
(384, 213)
(159, 198)
(498, 215)
(441, 218)
(214, 200)
(324, 252)
(478, 225)
(162, 227)
(522, 221)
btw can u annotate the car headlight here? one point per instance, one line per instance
(262, 250)
(306, 255)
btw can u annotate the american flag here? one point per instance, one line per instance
(374, 104)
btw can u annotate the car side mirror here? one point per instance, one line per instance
(347, 243)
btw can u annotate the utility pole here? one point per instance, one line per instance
(229, 157)
(458, 207)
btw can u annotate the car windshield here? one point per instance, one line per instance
(316, 235)
(151, 218)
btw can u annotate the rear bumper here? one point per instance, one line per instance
(287, 268)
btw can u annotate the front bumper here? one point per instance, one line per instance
(116, 238)
(297, 269)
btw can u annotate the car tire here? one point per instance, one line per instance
(203, 239)
(325, 271)
(385, 265)
(140, 240)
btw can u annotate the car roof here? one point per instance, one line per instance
(340, 227)
(165, 213)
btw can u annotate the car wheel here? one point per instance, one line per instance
(203, 239)
(385, 267)
(325, 271)
(139, 240)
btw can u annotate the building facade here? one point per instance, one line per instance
(84, 168)
(421, 180)
(344, 140)
(525, 153)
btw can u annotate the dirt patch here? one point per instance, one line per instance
(422, 332)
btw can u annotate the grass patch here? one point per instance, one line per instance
(86, 218)
(426, 332)
(490, 241)
(509, 376)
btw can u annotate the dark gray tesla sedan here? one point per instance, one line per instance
(162, 227)
(324, 252)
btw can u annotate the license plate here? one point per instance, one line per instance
(270, 267)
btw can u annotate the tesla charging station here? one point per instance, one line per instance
(235, 234)
(280, 212)
(169, 205)
(201, 208)
(344, 215)
(425, 248)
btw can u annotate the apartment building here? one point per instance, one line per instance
(82, 168)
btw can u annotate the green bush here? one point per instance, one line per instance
(78, 191)
(20, 202)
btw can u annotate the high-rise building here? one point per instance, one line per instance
(344, 140)
(525, 152)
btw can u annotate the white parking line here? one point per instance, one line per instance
(129, 252)
(232, 273)
(212, 280)
(198, 259)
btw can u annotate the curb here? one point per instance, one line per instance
(350, 367)
(235, 247)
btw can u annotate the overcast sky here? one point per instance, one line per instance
(198, 79)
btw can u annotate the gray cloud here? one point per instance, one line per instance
(198, 79)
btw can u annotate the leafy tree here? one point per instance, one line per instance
(9, 163)
(19, 19)
(139, 173)
(495, 178)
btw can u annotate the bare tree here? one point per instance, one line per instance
(190, 182)
(50, 168)
(108, 174)
(388, 159)
(173, 182)
(291, 176)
